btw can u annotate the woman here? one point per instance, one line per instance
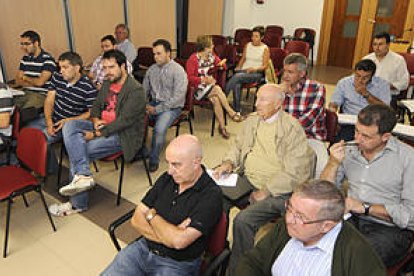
(198, 68)
(251, 67)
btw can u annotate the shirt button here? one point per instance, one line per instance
(362, 180)
(174, 202)
(366, 167)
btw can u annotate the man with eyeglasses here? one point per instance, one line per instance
(380, 174)
(312, 239)
(355, 92)
(35, 70)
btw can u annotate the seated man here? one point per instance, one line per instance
(175, 217)
(166, 85)
(6, 110)
(97, 74)
(124, 44)
(355, 92)
(312, 239)
(390, 65)
(70, 96)
(273, 154)
(117, 123)
(380, 173)
(35, 69)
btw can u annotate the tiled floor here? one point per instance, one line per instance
(79, 247)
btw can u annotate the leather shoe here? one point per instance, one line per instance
(153, 167)
(224, 133)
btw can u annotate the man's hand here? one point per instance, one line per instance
(353, 205)
(337, 152)
(251, 70)
(151, 109)
(51, 130)
(258, 196)
(89, 135)
(222, 62)
(98, 124)
(58, 126)
(184, 224)
(361, 89)
(224, 168)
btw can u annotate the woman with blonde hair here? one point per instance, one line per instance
(199, 67)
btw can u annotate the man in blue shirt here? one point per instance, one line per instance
(355, 92)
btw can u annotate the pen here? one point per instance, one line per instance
(351, 144)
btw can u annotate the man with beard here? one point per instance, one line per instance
(117, 123)
(70, 97)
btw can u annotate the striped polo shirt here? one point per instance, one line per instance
(33, 66)
(71, 99)
(6, 105)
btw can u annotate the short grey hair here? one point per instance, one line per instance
(296, 58)
(331, 198)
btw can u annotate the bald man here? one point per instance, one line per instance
(175, 217)
(272, 153)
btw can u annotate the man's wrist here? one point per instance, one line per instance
(150, 214)
(366, 95)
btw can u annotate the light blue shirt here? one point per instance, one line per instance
(316, 260)
(128, 49)
(351, 101)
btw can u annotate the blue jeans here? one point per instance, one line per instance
(163, 121)
(81, 153)
(236, 82)
(136, 260)
(40, 123)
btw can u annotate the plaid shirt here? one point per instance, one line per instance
(307, 105)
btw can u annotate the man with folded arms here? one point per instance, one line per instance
(380, 173)
(175, 217)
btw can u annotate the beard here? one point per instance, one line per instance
(114, 79)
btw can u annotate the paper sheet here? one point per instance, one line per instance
(229, 180)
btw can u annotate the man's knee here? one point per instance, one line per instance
(243, 219)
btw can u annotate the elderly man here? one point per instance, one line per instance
(312, 239)
(390, 66)
(175, 217)
(166, 85)
(380, 173)
(124, 44)
(117, 123)
(355, 92)
(273, 154)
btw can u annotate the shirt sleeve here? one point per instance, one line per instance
(382, 90)
(52, 84)
(402, 76)
(314, 106)
(339, 93)
(90, 96)
(49, 65)
(152, 195)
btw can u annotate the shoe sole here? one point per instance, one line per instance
(74, 190)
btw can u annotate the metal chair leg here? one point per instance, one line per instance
(6, 234)
(116, 164)
(25, 200)
(190, 125)
(60, 165)
(95, 166)
(121, 177)
(147, 171)
(213, 124)
(39, 190)
(177, 130)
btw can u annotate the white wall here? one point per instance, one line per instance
(290, 14)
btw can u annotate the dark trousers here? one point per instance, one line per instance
(391, 243)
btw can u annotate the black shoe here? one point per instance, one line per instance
(153, 167)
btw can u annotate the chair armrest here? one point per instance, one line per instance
(220, 260)
(115, 224)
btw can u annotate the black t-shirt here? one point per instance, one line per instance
(202, 203)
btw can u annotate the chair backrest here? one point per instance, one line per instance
(187, 49)
(297, 46)
(145, 56)
(219, 39)
(189, 99)
(277, 55)
(331, 125)
(242, 36)
(409, 59)
(16, 123)
(274, 29)
(305, 34)
(217, 240)
(32, 150)
(272, 39)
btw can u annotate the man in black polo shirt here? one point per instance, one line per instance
(35, 69)
(175, 217)
(70, 97)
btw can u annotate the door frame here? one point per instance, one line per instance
(362, 45)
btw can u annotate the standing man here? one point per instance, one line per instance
(70, 97)
(166, 85)
(124, 45)
(97, 74)
(35, 69)
(380, 173)
(175, 217)
(390, 66)
(357, 91)
(117, 123)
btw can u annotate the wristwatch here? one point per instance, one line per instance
(366, 206)
(366, 96)
(150, 215)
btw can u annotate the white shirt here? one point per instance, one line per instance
(128, 49)
(393, 69)
(254, 56)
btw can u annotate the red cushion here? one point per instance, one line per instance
(14, 178)
(113, 156)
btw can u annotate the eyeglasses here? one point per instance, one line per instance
(298, 217)
(25, 43)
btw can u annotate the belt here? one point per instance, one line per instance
(159, 253)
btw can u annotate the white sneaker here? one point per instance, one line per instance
(63, 209)
(80, 183)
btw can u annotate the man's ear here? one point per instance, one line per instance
(386, 136)
(327, 226)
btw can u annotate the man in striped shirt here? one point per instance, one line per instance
(70, 96)
(35, 69)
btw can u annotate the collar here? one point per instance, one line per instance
(327, 242)
(298, 87)
(272, 118)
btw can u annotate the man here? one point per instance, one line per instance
(380, 172)
(6, 110)
(175, 217)
(312, 239)
(273, 154)
(355, 92)
(390, 66)
(97, 74)
(35, 69)
(70, 97)
(305, 98)
(166, 85)
(117, 123)
(124, 45)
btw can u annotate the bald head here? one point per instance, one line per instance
(269, 100)
(187, 144)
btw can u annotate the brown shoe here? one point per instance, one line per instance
(224, 133)
(237, 117)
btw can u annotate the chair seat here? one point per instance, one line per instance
(14, 178)
(113, 157)
(250, 85)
